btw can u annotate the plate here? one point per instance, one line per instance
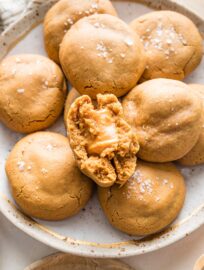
(62, 261)
(89, 233)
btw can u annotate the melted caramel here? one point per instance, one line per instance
(107, 134)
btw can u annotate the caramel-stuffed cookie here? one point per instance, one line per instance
(63, 15)
(45, 180)
(32, 92)
(172, 44)
(166, 116)
(196, 154)
(102, 54)
(103, 144)
(149, 201)
(72, 95)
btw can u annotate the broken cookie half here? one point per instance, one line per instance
(103, 143)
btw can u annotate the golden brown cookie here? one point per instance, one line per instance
(196, 154)
(63, 15)
(32, 92)
(166, 116)
(45, 180)
(172, 44)
(149, 201)
(102, 141)
(102, 54)
(72, 95)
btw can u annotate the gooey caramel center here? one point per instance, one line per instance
(107, 132)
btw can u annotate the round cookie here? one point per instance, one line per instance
(172, 44)
(103, 143)
(101, 54)
(150, 200)
(196, 154)
(63, 15)
(72, 95)
(32, 92)
(44, 177)
(166, 115)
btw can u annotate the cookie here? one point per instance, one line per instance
(102, 141)
(149, 201)
(63, 15)
(102, 54)
(44, 178)
(166, 116)
(196, 154)
(172, 44)
(32, 92)
(72, 95)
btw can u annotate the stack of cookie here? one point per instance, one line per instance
(126, 146)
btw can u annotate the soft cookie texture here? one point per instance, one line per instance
(102, 141)
(63, 15)
(196, 154)
(72, 95)
(102, 54)
(172, 44)
(32, 92)
(149, 201)
(45, 180)
(166, 116)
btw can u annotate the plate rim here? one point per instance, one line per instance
(116, 252)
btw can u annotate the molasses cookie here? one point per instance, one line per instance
(196, 154)
(172, 44)
(32, 92)
(63, 15)
(149, 201)
(102, 141)
(45, 180)
(102, 54)
(166, 116)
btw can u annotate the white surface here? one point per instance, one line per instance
(18, 250)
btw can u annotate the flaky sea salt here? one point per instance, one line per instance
(171, 186)
(49, 147)
(94, 6)
(129, 41)
(70, 21)
(21, 165)
(44, 171)
(20, 90)
(46, 83)
(165, 181)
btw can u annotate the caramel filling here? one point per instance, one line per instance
(107, 132)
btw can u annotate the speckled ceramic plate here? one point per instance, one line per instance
(89, 233)
(62, 261)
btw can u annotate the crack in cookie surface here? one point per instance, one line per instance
(103, 143)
